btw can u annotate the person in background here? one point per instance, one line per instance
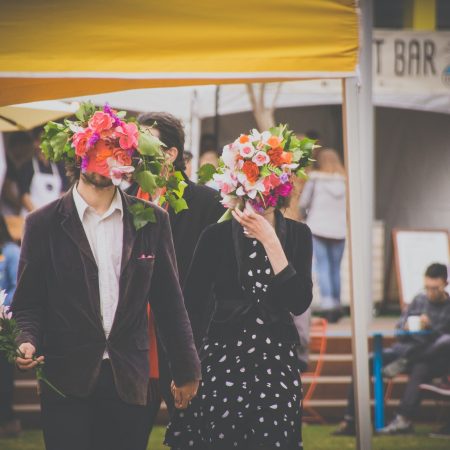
(208, 150)
(322, 205)
(9, 261)
(204, 209)
(441, 389)
(40, 181)
(422, 355)
(188, 163)
(19, 151)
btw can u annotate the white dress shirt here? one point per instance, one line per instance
(105, 236)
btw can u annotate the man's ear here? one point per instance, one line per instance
(172, 152)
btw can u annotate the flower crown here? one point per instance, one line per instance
(102, 141)
(258, 167)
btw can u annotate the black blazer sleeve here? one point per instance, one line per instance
(171, 317)
(292, 287)
(199, 283)
(28, 301)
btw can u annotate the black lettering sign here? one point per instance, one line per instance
(378, 43)
(414, 57)
(399, 55)
(429, 50)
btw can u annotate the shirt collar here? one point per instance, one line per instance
(82, 206)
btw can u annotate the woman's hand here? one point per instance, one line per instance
(184, 394)
(256, 226)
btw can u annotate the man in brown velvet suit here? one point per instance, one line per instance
(85, 278)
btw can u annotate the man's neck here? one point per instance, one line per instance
(98, 198)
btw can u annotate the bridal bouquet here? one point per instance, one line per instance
(257, 168)
(9, 332)
(102, 141)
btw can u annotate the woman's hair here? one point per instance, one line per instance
(328, 161)
(5, 236)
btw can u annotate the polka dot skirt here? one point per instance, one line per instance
(251, 391)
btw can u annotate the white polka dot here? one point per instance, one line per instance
(212, 408)
(239, 399)
(253, 255)
(283, 385)
(274, 406)
(262, 395)
(251, 350)
(213, 379)
(225, 414)
(224, 357)
(268, 271)
(229, 383)
(253, 336)
(221, 436)
(259, 321)
(258, 284)
(269, 371)
(250, 273)
(261, 419)
(268, 341)
(277, 357)
(239, 343)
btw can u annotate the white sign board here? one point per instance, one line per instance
(405, 60)
(415, 250)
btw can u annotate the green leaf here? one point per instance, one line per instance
(148, 144)
(225, 216)
(205, 173)
(147, 181)
(142, 215)
(85, 111)
(265, 171)
(155, 167)
(301, 174)
(58, 142)
(121, 114)
(307, 144)
(177, 204)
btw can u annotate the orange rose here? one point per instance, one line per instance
(275, 156)
(286, 157)
(274, 141)
(251, 170)
(243, 138)
(122, 157)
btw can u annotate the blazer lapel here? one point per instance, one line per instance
(129, 233)
(73, 227)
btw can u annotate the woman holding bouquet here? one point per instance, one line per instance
(258, 268)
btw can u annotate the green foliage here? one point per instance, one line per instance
(147, 181)
(205, 173)
(149, 145)
(142, 214)
(177, 204)
(85, 111)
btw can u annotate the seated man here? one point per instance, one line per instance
(422, 355)
(443, 390)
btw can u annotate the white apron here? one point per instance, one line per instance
(45, 187)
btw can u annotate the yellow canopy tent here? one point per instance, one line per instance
(57, 48)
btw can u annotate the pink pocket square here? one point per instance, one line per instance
(146, 257)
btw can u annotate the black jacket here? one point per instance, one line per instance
(216, 272)
(188, 225)
(57, 302)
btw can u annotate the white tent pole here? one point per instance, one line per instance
(195, 130)
(366, 127)
(356, 196)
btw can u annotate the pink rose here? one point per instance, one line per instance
(128, 135)
(80, 141)
(100, 121)
(261, 158)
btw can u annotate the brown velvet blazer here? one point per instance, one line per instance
(57, 302)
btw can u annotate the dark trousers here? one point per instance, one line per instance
(6, 390)
(428, 362)
(101, 421)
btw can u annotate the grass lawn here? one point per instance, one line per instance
(315, 438)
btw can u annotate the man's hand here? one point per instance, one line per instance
(425, 321)
(28, 350)
(184, 394)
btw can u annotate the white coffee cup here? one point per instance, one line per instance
(414, 323)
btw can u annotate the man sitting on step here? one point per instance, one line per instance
(422, 355)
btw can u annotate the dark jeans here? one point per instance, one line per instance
(101, 421)
(6, 390)
(429, 362)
